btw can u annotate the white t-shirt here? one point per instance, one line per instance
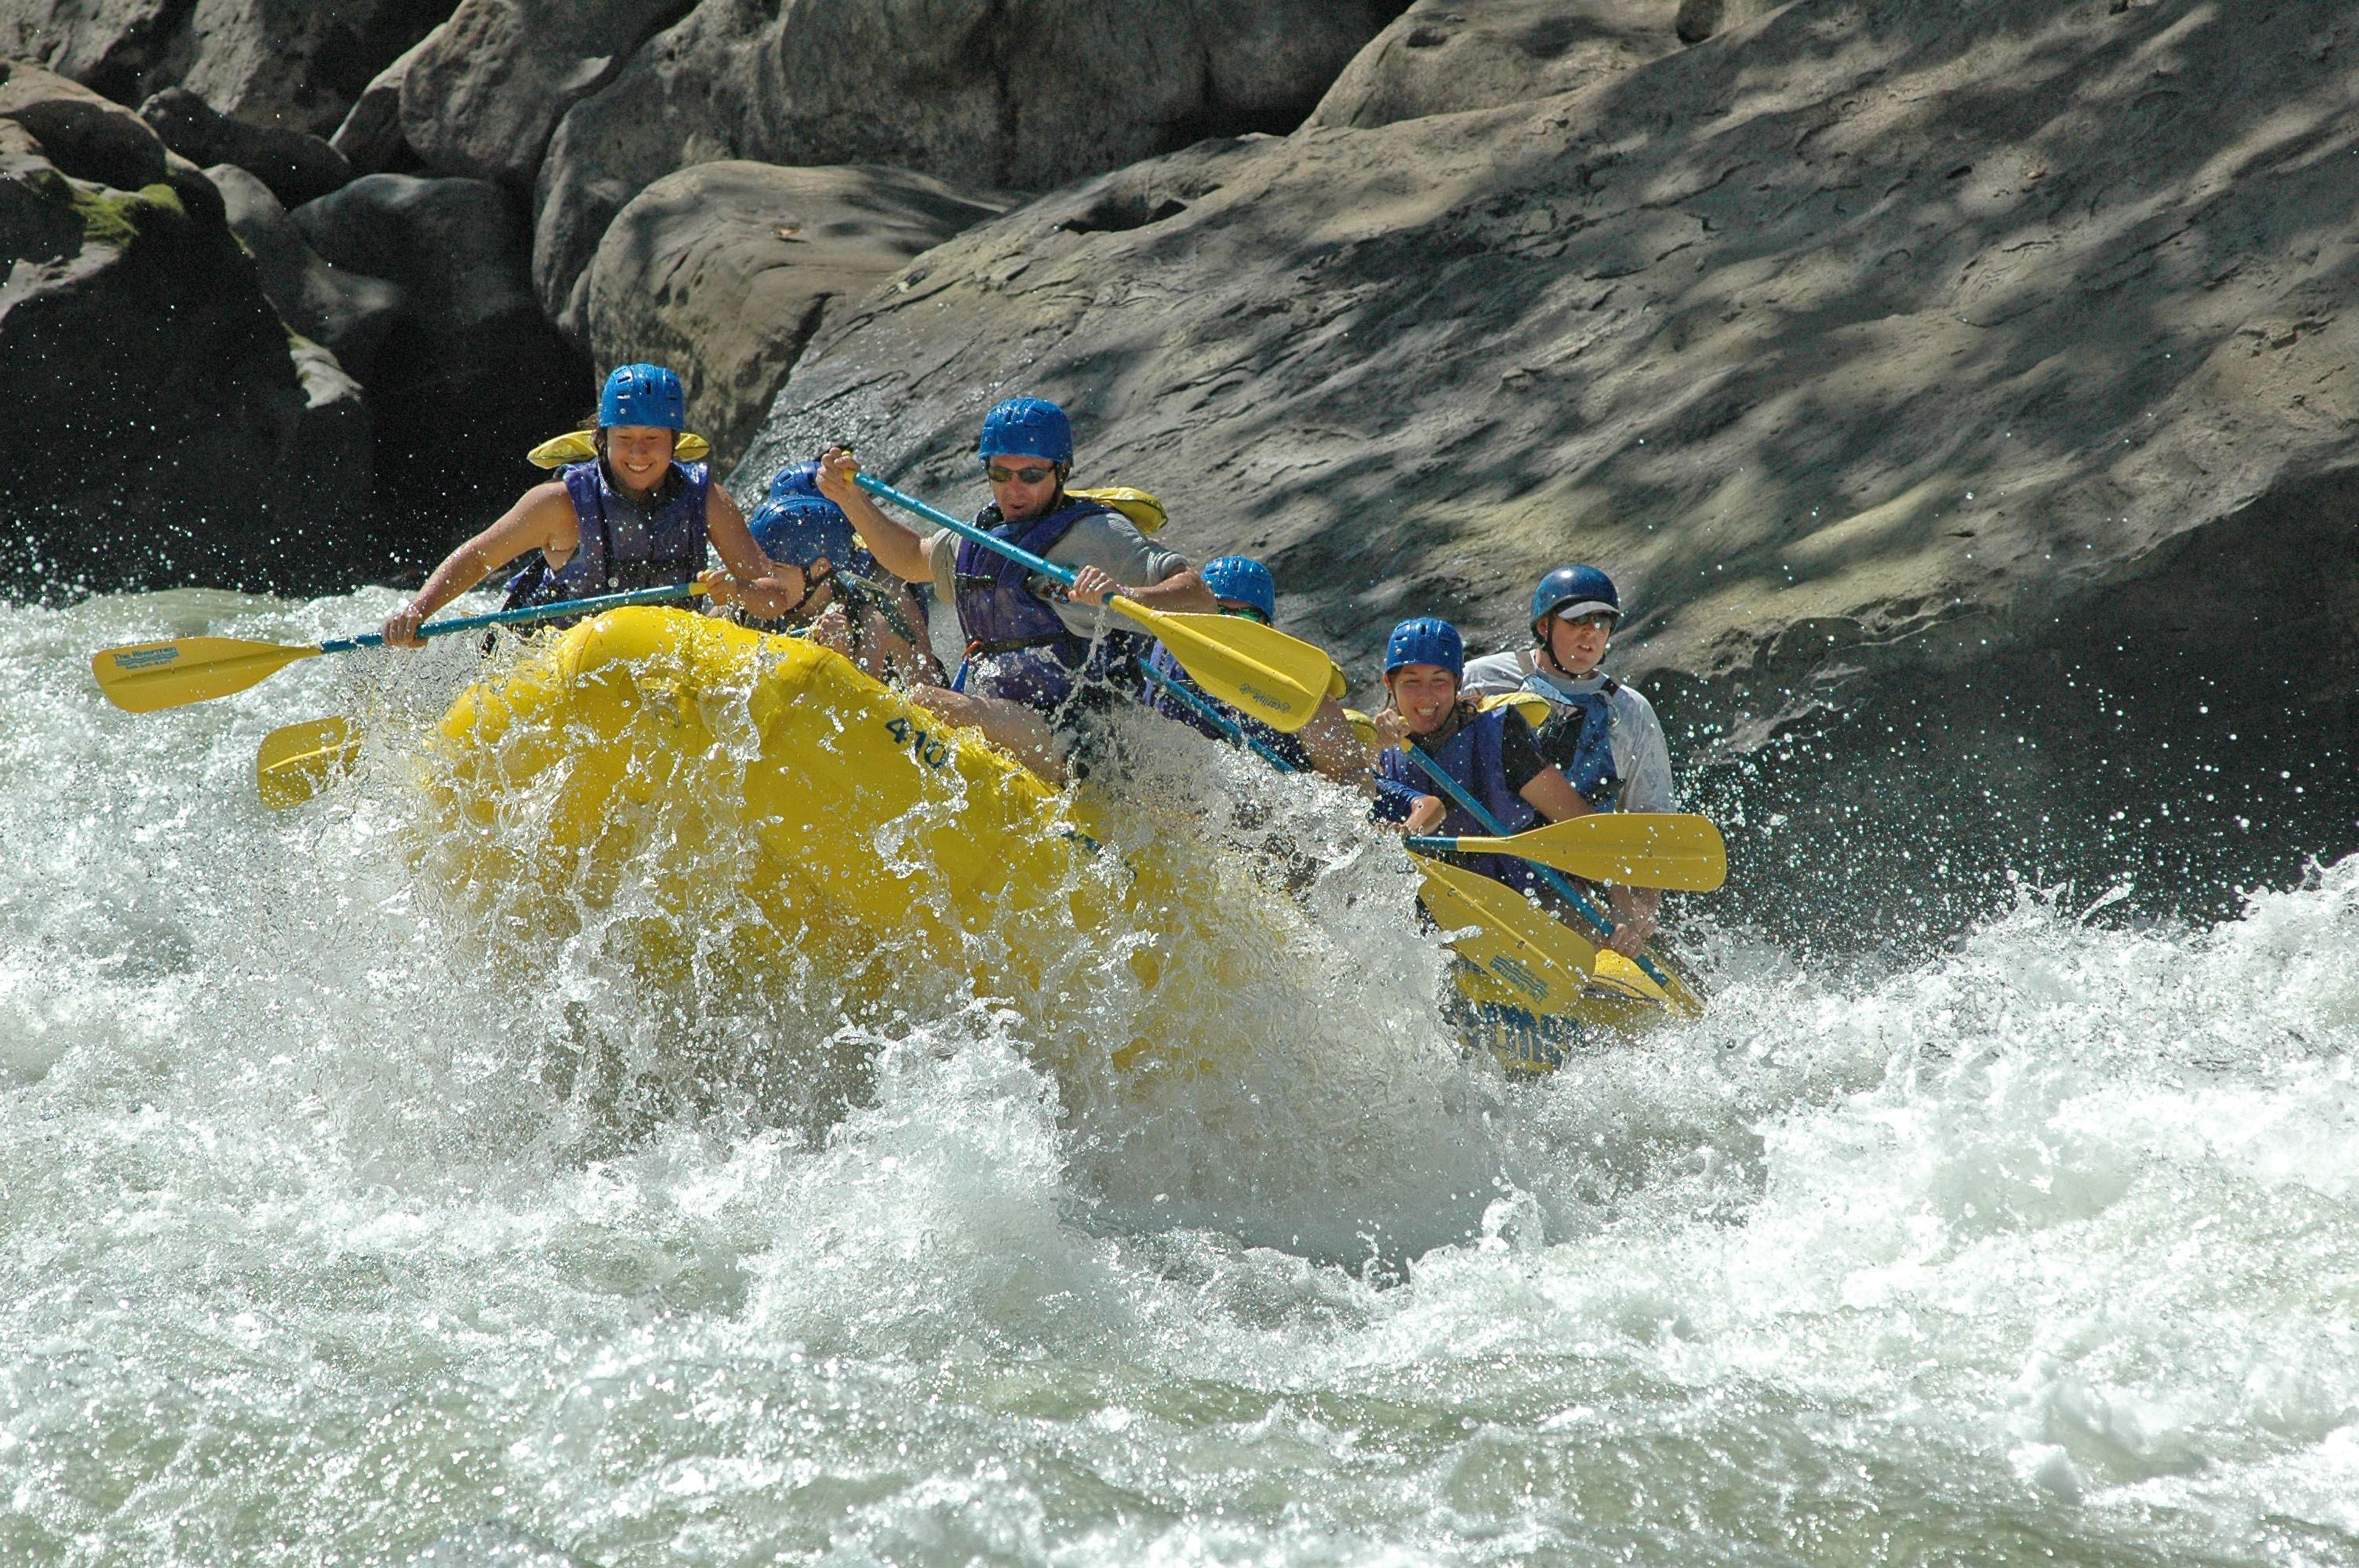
(1642, 758)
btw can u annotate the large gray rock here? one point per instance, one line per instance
(349, 312)
(116, 46)
(484, 91)
(972, 92)
(83, 135)
(726, 270)
(297, 168)
(1443, 56)
(370, 138)
(1998, 362)
(471, 376)
(163, 428)
(292, 64)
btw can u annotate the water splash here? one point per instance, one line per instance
(2042, 1247)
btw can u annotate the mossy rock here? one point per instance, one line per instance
(117, 217)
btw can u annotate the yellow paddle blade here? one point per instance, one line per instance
(1542, 962)
(297, 761)
(1635, 849)
(1279, 679)
(1513, 927)
(146, 677)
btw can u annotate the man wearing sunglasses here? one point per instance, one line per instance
(1039, 658)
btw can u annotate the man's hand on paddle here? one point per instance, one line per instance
(837, 469)
(1635, 911)
(1092, 587)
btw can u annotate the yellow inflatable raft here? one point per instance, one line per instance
(874, 839)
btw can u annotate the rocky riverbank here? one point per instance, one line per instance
(1962, 396)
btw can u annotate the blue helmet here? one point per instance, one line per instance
(642, 395)
(1583, 588)
(798, 526)
(1244, 579)
(1426, 640)
(1026, 427)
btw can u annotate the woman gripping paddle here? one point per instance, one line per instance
(634, 518)
(1491, 756)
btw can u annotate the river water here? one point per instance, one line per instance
(2043, 1249)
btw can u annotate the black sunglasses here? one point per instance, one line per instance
(998, 475)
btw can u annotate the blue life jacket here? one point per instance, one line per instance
(1579, 738)
(1288, 746)
(1474, 758)
(622, 546)
(1017, 648)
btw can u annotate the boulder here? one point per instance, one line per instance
(164, 428)
(349, 312)
(83, 135)
(471, 376)
(297, 64)
(486, 88)
(1443, 56)
(370, 138)
(1978, 384)
(970, 91)
(727, 270)
(114, 46)
(297, 168)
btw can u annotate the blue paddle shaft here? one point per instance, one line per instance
(524, 616)
(1563, 889)
(883, 492)
(1214, 716)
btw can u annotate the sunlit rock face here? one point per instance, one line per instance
(1864, 343)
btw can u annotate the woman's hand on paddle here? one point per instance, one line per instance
(1424, 816)
(767, 598)
(400, 630)
(1392, 729)
(837, 469)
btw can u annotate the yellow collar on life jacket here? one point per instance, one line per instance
(581, 446)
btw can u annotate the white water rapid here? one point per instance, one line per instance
(2045, 1251)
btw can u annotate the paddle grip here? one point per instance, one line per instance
(1563, 889)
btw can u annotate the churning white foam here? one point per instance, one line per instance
(2042, 1248)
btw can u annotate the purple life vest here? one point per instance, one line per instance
(1017, 646)
(623, 546)
(1579, 738)
(1474, 758)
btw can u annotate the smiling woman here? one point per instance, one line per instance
(634, 516)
